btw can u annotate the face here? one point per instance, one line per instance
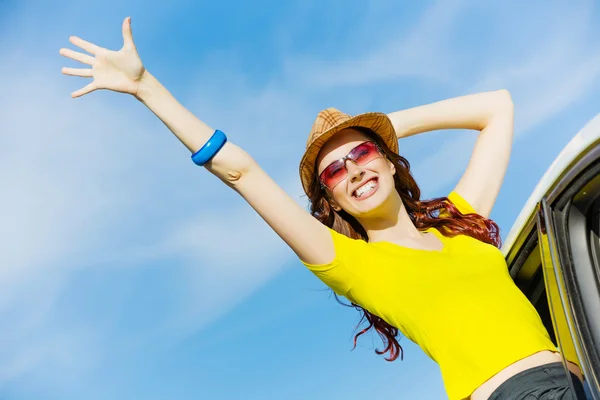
(364, 182)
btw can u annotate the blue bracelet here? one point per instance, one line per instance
(210, 148)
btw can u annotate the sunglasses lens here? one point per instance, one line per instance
(334, 174)
(364, 153)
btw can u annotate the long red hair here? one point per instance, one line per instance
(438, 213)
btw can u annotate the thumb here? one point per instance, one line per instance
(127, 35)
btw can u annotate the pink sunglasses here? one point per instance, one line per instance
(336, 172)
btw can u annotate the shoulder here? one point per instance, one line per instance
(341, 273)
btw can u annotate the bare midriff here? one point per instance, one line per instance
(484, 391)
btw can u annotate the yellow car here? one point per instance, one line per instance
(553, 252)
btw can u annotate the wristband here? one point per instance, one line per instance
(210, 148)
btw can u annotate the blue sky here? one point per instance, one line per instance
(127, 272)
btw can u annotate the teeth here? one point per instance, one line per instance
(365, 189)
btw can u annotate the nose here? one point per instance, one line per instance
(355, 172)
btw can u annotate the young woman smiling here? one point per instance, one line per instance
(430, 269)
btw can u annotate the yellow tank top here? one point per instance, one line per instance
(459, 304)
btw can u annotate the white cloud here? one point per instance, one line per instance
(422, 51)
(61, 192)
(558, 65)
(555, 68)
(98, 181)
(230, 252)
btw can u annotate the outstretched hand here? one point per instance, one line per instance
(120, 71)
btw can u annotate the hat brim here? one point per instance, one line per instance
(379, 123)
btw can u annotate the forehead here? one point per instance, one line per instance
(338, 146)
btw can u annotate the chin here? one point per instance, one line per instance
(370, 206)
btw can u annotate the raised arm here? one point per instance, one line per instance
(123, 71)
(491, 113)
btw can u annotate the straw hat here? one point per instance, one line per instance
(331, 121)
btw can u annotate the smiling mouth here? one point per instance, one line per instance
(367, 189)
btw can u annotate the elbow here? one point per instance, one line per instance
(500, 107)
(231, 165)
(504, 99)
(233, 176)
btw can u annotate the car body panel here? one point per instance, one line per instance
(553, 252)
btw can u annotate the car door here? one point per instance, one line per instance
(553, 252)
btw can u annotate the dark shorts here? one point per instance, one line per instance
(546, 382)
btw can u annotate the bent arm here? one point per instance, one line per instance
(491, 113)
(308, 238)
(474, 111)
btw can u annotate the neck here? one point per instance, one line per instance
(391, 224)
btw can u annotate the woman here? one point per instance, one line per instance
(431, 269)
